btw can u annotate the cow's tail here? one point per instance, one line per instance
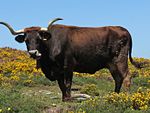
(136, 64)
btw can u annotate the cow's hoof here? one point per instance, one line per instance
(67, 99)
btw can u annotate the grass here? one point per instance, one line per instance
(43, 97)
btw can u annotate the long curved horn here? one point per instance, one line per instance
(51, 22)
(11, 29)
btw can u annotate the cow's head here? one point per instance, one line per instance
(32, 36)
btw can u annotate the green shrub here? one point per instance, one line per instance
(90, 89)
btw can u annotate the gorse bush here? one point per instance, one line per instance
(119, 103)
(141, 99)
(90, 89)
(136, 101)
(14, 64)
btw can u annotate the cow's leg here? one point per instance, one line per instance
(63, 89)
(68, 74)
(127, 81)
(117, 77)
(119, 71)
(65, 85)
(123, 69)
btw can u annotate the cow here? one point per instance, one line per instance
(61, 49)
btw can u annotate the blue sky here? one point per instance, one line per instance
(131, 14)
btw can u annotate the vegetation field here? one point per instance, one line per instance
(24, 89)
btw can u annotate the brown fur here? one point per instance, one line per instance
(32, 29)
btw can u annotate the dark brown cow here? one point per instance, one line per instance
(60, 50)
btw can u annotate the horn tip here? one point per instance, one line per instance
(59, 18)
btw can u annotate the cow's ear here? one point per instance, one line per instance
(20, 38)
(45, 35)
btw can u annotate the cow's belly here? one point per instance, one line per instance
(89, 66)
(85, 69)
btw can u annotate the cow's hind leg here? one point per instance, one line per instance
(123, 69)
(117, 77)
(119, 71)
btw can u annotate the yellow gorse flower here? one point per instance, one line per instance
(139, 100)
(15, 63)
(8, 109)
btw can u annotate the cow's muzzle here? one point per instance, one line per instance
(35, 54)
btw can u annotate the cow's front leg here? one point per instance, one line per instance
(65, 85)
(63, 88)
(66, 81)
(68, 74)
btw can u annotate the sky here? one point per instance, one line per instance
(134, 15)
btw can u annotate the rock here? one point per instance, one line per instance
(54, 110)
(80, 97)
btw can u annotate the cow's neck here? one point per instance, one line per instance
(45, 56)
